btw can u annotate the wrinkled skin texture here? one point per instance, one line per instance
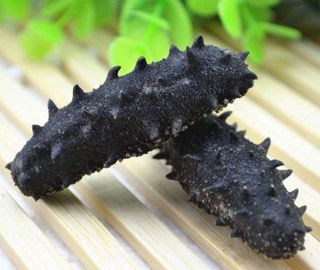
(232, 178)
(128, 116)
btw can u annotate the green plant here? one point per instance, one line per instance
(146, 27)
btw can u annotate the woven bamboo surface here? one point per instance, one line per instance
(130, 216)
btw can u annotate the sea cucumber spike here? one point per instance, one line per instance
(89, 114)
(78, 94)
(56, 151)
(191, 57)
(192, 157)
(285, 174)
(52, 108)
(250, 75)
(302, 210)
(198, 43)
(172, 176)
(118, 110)
(39, 147)
(173, 50)
(234, 126)
(9, 165)
(177, 124)
(308, 229)
(113, 73)
(272, 191)
(225, 115)
(226, 58)
(236, 233)
(220, 221)
(141, 63)
(243, 55)
(36, 129)
(236, 186)
(274, 164)
(294, 194)
(242, 133)
(160, 155)
(213, 102)
(265, 144)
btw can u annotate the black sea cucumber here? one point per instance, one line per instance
(128, 116)
(232, 178)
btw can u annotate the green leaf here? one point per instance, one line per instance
(229, 14)
(125, 52)
(181, 32)
(266, 3)
(253, 42)
(55, 8)
(150, 19)
(16, 9)
(203, 7)
(280, 30)
(83, 23)
(39, 38)
(105, 11)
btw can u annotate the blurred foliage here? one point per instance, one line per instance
(145, 27)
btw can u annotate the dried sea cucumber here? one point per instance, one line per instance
(232, 178)
(128, 115)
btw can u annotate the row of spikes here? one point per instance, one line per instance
(192, 59)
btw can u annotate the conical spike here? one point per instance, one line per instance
(36, 129)
(173, 50)
(285, 174)
(56, 151)
(172, 176)
(160, 155)
(226, 58)
(242, 132)
(52, 108)
(267, 221)
(141, 63)
(191, 197)
(220, 222)
(302, 210)
(225, 115)
(294, 194)
(265, 144)
(234, 126)
(192, 157)
(192, 60)
(243, 56)
(308, 229)
(198, 43)
(113, 73)
(250, 76)
(78, 93)
(176, 126)
(9, 166)
(274, 164)
(214, 187)
(245, 193)
(88, 114)
(213, 103)
(235, 233)
(272, 191)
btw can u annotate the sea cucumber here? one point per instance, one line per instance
(232, 178)
(129, 115)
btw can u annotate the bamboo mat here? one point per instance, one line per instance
(130, 216)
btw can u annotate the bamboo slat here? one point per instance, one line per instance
(88, 239)
(23, 240)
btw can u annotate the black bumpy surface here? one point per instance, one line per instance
(128, 116)
(232, 178)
